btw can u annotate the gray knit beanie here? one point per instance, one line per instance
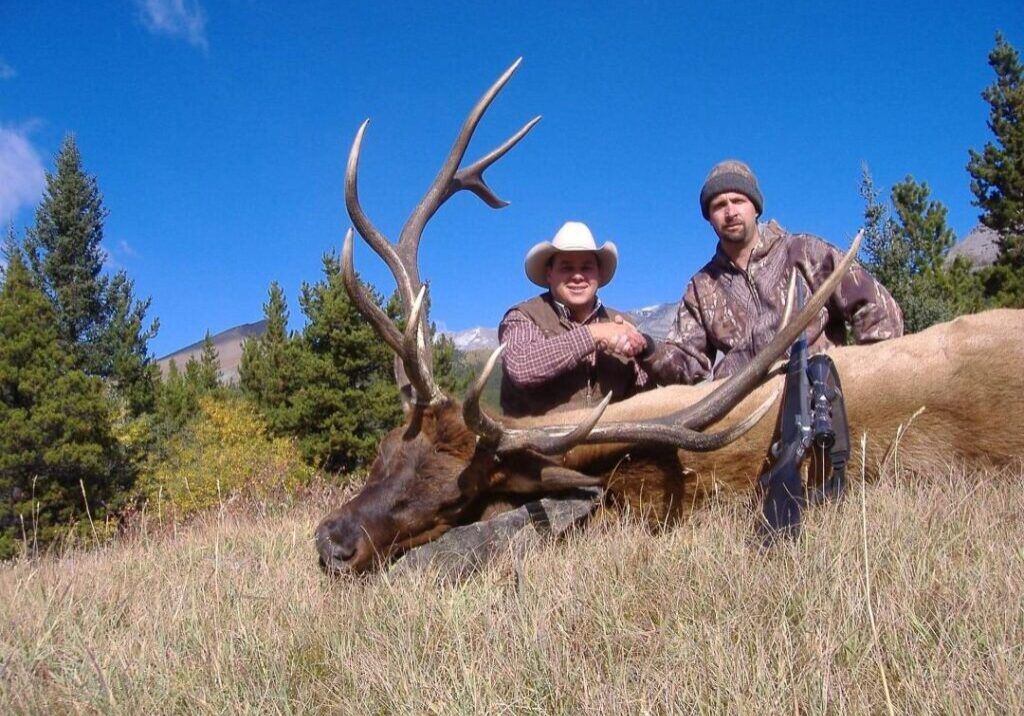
(730, 175)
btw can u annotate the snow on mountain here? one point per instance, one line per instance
(474, 339)
(654, 320)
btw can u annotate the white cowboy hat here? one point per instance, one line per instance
(573, 236)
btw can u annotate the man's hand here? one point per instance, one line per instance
(618, 337)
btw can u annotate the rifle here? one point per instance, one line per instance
(812, 423)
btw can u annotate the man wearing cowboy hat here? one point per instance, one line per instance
(733, 305)
(565, 349)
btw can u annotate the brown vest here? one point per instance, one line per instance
(582, 386)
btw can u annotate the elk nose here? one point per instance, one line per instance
(342, 553)
(332, 551)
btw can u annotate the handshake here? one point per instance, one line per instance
(618, 338)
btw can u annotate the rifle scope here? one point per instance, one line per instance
(822, 395)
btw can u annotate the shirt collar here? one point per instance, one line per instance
(565, 315)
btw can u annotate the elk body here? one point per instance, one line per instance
(451, 464)
(965, 374)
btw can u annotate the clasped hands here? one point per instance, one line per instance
(618, 337)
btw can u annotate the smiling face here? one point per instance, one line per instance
(734, 218)
(573, 277)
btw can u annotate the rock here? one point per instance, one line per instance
(463, 551)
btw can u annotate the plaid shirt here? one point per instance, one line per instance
(531, 359)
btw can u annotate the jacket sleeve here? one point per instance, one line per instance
(530, 358)
(686, 356)
(864, 303)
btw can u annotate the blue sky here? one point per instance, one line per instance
(219, 131)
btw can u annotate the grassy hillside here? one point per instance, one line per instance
(908, 597)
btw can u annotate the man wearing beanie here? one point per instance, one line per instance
(564, 349)
(733, 305)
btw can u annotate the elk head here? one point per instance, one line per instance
(443, 466)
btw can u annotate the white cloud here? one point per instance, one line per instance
(125, 248)
(22, 176)
(183, 19)
(6, 71)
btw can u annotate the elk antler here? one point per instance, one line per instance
(413, 347)
(679, 429)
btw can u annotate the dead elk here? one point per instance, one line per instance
(449, 464)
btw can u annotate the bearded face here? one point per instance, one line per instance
(734, 218)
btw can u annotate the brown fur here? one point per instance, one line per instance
(965, 374)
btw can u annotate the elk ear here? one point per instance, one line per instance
(551, 478)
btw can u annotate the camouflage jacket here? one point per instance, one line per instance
(735, 313)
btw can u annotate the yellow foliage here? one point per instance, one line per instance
(224, 452)
(134, 433)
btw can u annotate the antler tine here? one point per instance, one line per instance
(551, 440)
(413, 353)
(442, 187)
(548, 440)
(413, 348)
(724, 398)
(472, 177)
(787, 311)
(364, 302)
(656, 433)
(370, 233)
(477, 420)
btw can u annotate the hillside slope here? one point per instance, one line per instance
(229, 350)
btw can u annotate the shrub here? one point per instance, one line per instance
(223, 453)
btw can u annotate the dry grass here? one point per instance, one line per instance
(232, 615)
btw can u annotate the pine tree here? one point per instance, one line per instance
(452, 373)
(265, 369)
(178, 394)
(64, 249)
(204, 375)
(997, 174)
(99, 321)
(331, 386)
(887, 252)
(343, 397)
(908, 254)
(123, 346)
(55, 436)
(176, 402)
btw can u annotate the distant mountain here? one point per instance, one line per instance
(229, 349)
(475, 339)
(654, 320)
(980, 247)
